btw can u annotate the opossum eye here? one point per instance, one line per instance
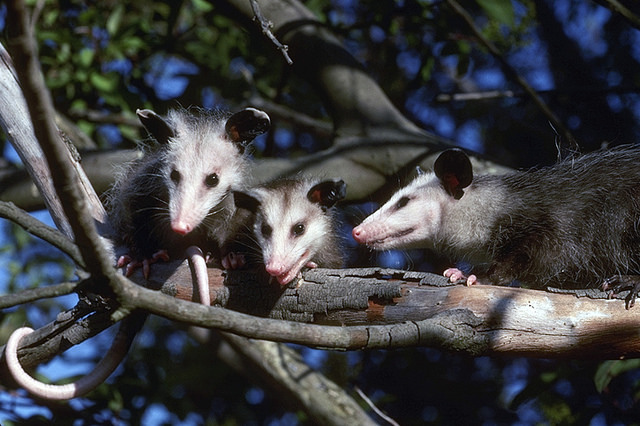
(212, 180)
(402, 202)
(175, 176)
(298, 229)
(266, 230)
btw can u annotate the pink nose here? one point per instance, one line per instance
(275, 269)
(181, 228)
(358, 234)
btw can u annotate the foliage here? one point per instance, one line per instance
(113, 57)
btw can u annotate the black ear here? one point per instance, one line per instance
(245, 200)
(328, 192)
(155, 125)
(454, 170)
(242, 127)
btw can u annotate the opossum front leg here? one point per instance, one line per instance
(455, 275)
(133, 264)
(618, 283)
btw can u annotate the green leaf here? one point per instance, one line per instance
(85, 57)
(103, 82)
(113, 23)
(499, 10)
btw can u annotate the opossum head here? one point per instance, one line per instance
(292, 222)
(202, 159)
(413, 216)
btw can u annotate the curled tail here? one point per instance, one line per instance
(103, 369)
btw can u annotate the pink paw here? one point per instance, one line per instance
(132, 264)
(455, 274)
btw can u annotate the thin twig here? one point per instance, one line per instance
(619, 8)
(374, 408)
(512, 72)
(32, 225)
(266, 26)
(31, 295)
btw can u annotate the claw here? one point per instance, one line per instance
(616, 284)
(132, 264)
(123, 260)
(455, 275)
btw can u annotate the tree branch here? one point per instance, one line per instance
(537, 100)
(266, 26)
(66, 179)
(31, 295)
(293, 380)
(39, 229)
(356, 103)
(623, 11)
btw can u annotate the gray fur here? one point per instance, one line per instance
(152, 210)
(574, 224)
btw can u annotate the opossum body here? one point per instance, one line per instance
(177, 195)
(574, 224)
(292, 225)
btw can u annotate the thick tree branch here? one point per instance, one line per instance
(357, 105)
(66, 179)
(293, 380)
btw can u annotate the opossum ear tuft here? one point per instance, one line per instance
(454, 170)
(327, 193)
(242, 127)
(245, 200)
(155, 125)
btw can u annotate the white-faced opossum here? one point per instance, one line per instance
(292, 225)
(575, 224)
(176, 196)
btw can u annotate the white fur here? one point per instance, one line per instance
(433, 218)
(200, 148)
(284, 253)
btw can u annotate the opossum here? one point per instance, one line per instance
(170, 203)
(575, 224)
(292, 226)
(177, 195)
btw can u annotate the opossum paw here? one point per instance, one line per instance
(123, 261)
(455, 275)
(233, 261)
(616, 284)
(133, 264)
(311, 265)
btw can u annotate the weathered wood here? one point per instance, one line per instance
(494, 319)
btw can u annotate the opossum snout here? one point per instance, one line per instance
(181, 227)
(275, 268)
(359, 234)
